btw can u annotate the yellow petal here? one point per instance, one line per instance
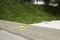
(21, 27)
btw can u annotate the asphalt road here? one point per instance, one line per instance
(4, 35)
(30, 32)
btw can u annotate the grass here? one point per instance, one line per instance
(26, 12)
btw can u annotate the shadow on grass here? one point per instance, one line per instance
(55, 11)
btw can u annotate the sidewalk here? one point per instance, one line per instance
(31, 32)
(51, 24)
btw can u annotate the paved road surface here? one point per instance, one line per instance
(31, 32)
(4, 35)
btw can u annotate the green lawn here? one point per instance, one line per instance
(27, 13)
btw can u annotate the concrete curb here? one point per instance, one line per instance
(31, 32)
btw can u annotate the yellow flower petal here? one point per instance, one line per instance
(21, 27)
